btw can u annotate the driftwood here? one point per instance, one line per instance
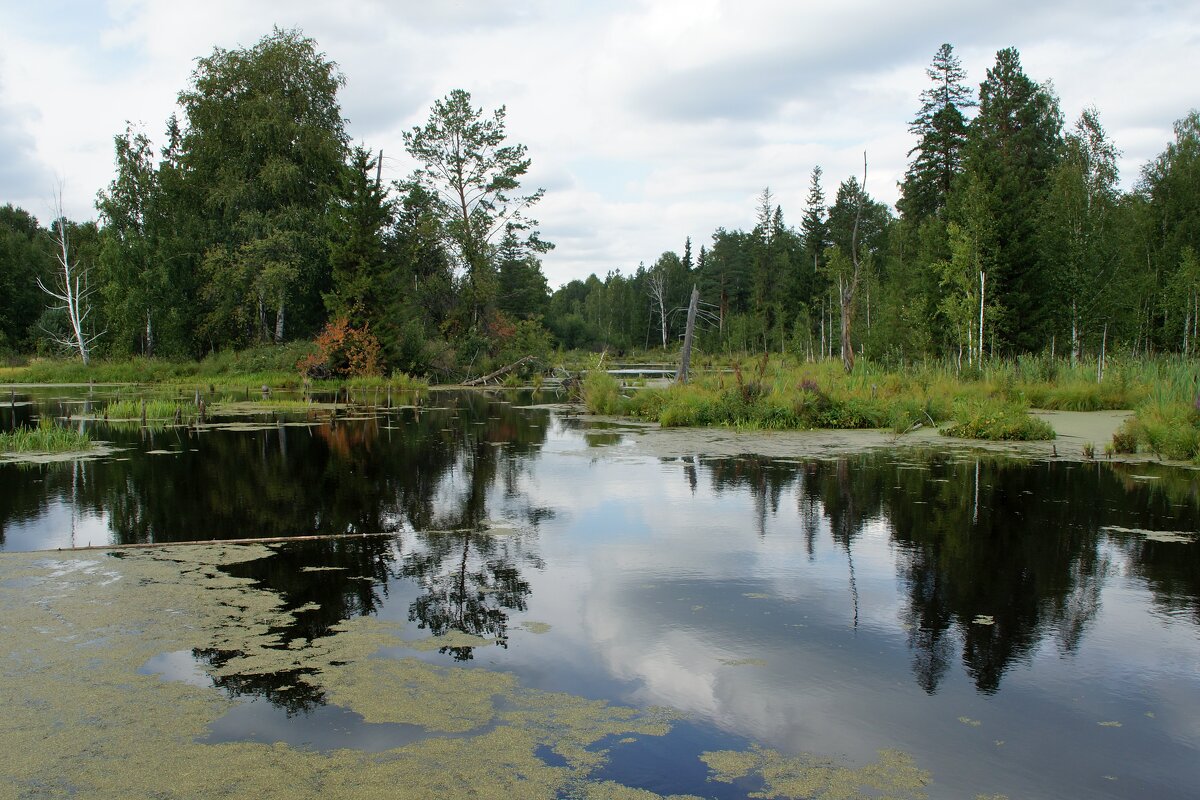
(500, 373)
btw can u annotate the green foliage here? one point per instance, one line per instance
(134, 408)
(1170, 429)
(997, 420)
(1125, 440)
(45, 438)
(601, 393)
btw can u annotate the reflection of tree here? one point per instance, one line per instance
(994, 555)
(432, 468)
(469, 581)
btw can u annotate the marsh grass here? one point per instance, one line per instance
(45, 438)
(264, 365)
(779, 394)
(132, 408)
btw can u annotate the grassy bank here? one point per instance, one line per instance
(45, 438)
(269, 365)
(991, 402)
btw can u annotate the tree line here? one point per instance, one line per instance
(258, 221)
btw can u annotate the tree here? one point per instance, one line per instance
(263, 154)
(847, 262)
(1172, 218)
(941, 130)
(1077, 224)
(24, 257)
(814, 228)
(140, 288)
(1013, 145)
(357, 255)
(71, 288)
(473, 175)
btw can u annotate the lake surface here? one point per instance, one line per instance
(1018, 628)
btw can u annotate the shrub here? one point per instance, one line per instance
(343, 350)
(996, 420)
(1125, 440)
(601, 393)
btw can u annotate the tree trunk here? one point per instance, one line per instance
(846, 295)
(982, 299)
(1075, 346)
(685, 360)
(149, 335)
(279, 324)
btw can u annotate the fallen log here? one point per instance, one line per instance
(500, 373)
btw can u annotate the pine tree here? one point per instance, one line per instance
(941, 130)
(1013, 145)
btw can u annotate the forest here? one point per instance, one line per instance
(255, 221)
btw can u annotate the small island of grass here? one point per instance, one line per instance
(45, 438)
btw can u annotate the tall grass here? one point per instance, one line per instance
(264, 365)
(779, 394)
(45, 438)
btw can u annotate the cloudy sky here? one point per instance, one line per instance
(647, 120)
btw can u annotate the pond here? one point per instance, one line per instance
(505, 584)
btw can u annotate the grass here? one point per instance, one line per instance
(774, 393)
(996, 420)
(253, 368)
(133, 408)
(45, 438)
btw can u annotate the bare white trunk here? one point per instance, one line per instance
(149, 335)
(70, 288)
(279, 324)
(982, 300)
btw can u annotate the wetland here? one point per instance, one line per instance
(508, 598)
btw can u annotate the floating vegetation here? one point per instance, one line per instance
(983, 619)
(146, 408)
(1170, 537)
(79, 714)
(536, 627)
(45, 438)
(895, 775)
(756, 595)
(974, 723)
(1109, 724)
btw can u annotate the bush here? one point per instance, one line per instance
(601, 393)
(343, 351)
(1125, 440)
(996, 420)
(1171, 430)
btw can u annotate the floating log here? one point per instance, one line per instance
(197, 542)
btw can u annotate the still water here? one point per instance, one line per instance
(1030, 629)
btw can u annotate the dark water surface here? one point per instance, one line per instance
(1024, 628)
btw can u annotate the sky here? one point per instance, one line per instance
(648, 121)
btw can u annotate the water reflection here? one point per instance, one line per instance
(994, 555)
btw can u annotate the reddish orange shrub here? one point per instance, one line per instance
(343, 351)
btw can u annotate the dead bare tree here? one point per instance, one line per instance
(656, 287)
(70, 288)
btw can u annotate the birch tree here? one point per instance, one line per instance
(70, 289)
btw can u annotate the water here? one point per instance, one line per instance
(1025, 628)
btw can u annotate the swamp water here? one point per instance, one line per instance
(535, 604)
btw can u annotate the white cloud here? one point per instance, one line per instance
(648, 120)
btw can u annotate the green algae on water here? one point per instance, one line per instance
(895, 775)
(82, 721)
